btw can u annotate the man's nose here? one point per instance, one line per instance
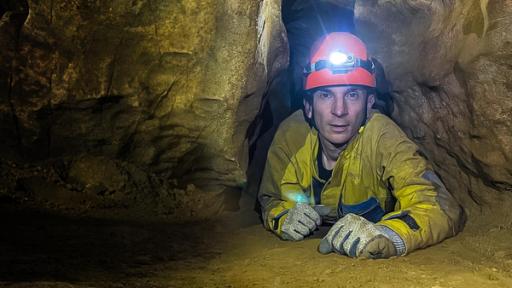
(339, 107)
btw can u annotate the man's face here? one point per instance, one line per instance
(339, 111)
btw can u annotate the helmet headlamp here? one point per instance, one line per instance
(340, 63)
(339, 58)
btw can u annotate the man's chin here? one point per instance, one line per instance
(338, 141)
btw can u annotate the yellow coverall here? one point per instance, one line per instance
(379, 176)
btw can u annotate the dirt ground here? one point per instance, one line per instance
(46, 249)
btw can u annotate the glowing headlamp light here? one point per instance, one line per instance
(340, 63)
(338, 58)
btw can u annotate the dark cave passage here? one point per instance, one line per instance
(305, 22)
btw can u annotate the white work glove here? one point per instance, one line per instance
(357, 237)
(300, 222)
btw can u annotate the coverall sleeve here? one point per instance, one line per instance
(425, 212)
(278, 176)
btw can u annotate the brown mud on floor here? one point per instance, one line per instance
(43, 249)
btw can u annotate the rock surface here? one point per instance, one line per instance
(168, 86)
(450, 64)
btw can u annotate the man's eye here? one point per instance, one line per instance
(352, 95)
(325, 95)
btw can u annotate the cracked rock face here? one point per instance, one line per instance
(450, 64)
(161, 84)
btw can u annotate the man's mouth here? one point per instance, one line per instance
(339, 127)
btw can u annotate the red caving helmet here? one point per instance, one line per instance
(339, 58)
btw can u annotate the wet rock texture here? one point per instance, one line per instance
(450, 64)
(167, 86)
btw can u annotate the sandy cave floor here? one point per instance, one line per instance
(44, 249)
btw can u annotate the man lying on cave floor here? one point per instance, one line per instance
(338, 162)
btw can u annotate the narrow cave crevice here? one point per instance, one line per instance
(13, 15)
(305, 21)
(19, 10)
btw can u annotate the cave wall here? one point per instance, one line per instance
(167, 85)
(450, 65)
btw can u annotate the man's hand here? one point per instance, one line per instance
(300, 222)
(355, 236)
